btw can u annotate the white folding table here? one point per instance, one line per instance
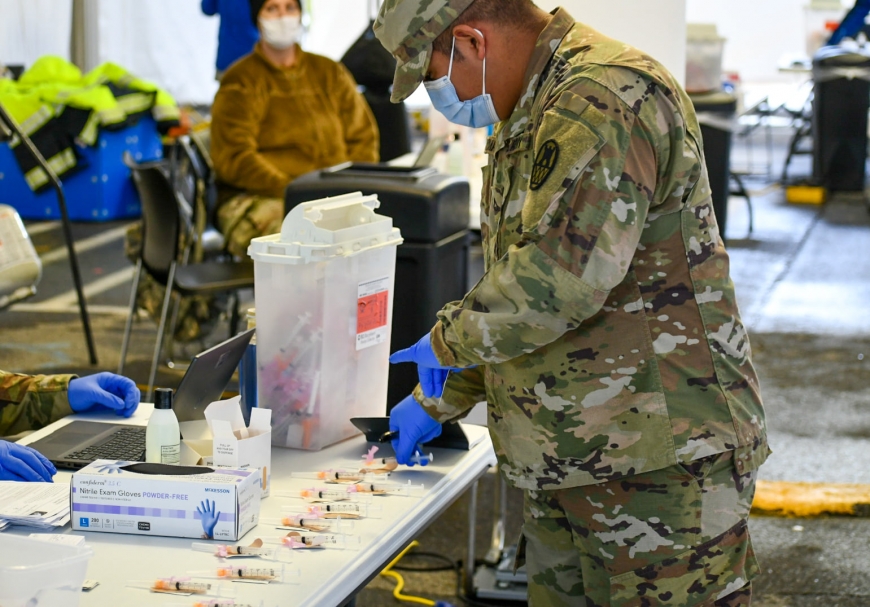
(329, 576)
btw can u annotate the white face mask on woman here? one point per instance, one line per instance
(282, 32)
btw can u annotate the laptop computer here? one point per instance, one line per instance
(79, 442)
(427, 153)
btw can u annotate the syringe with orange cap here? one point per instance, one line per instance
(301, 539)
(325, 494)
(339, 475)
(332, 510)
(226, 551)
(242, 573)
(311, 521)
(182, 585)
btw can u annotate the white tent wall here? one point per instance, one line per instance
(335, 24)
(657, 27)
(169, 42)
(759, 33)
(30, 29)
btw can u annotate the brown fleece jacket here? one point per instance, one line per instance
(270, 125)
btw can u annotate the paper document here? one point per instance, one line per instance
(42, 505)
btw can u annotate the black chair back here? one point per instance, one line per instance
(392, 119)
(161, 219)
(194, 173)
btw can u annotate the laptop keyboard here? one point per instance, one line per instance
(126, 444)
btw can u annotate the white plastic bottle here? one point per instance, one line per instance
(162, 436)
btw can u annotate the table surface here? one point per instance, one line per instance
(328, 576)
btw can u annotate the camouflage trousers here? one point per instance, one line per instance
(196, 315)
(248, 216)
(675, 536)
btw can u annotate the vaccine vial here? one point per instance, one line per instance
(162, 436)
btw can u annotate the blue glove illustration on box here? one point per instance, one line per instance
(103, 390)
(21, 463)
(112, 468)
(414, 426)
(209, 517)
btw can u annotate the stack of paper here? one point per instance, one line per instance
(42, 505)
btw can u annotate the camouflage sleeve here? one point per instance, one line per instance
(462, 391)
(30, 402)
(581, 220)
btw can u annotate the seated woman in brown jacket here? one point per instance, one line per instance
(279, 113)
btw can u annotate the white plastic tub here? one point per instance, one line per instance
(33, 572)
(704, 49)
(323, 290)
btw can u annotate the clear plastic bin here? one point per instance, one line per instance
(34, 572)
(704, 49)
(324, 298)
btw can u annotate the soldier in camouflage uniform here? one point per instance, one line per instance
(30, 402)
(604, 335)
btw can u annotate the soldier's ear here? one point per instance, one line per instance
(471, 41)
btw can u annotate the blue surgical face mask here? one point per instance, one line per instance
(475, 113)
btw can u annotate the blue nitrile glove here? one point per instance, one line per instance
(432, 374)
(21, 463)
(414, 426)
(209, 517)
(107, 390)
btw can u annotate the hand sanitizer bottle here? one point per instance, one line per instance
(162, 436)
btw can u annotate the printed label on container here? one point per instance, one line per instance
(373, 298)
(170, 454)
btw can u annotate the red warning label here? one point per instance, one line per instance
(372, 312)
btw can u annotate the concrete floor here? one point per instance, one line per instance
(803, 283)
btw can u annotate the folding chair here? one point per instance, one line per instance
(165, 217)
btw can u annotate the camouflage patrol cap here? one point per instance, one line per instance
(407, 28)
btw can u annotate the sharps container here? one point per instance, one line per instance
(323, 290)
(34, 572)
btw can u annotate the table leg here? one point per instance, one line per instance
(468, 582)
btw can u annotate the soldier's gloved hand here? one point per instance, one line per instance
(432, 374)
(414, 426)
(21, 463)
(106, 390)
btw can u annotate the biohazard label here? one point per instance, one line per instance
(373, 300)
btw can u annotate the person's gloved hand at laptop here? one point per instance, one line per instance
(103, 390)
(20, 463)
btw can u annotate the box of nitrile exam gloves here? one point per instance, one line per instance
(159, 499)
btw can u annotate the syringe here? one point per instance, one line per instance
(245, 573)
(256, 549)
(182, 585)
(311, 521)
(344, 510)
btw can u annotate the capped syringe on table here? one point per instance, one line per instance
(183, 586)
(311, 521)
(226, 551)
(301, 540)
(340, 476)
(331, 510)
(326, 494)
(247, 573)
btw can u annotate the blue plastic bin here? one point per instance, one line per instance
(101, 191)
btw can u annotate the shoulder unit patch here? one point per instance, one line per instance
(545, 162)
